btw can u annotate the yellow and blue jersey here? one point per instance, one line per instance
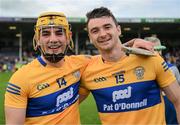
(49, 94)
(128, 91)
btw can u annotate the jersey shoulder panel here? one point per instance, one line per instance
(80, 58)
(17, 90)
(77, 62)
(21, 75)
(164, 75)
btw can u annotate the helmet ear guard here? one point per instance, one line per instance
(71, 43)
(35, 46)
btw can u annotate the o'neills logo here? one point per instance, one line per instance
(42, 86)
(100, 79)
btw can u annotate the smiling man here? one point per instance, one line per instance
(126, 88)
(45, 91)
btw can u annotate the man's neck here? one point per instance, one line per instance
(113, 55)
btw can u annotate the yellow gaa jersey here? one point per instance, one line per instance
(128, 91)
(49, 94)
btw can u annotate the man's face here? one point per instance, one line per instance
(103, 33)
(53, 39)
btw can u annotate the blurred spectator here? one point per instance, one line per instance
(4, 67)
(171, 61)
(10, 63)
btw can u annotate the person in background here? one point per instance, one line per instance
(158, 48)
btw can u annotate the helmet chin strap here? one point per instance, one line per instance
(54, 58)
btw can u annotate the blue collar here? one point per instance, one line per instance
(41, 61)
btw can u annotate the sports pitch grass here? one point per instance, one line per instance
(4, 77)
(88, 111)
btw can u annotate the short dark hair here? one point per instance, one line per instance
(100, 12)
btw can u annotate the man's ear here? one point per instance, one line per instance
(119, 29)
(90, 39)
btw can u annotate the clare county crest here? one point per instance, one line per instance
(139, 72)
(76, 74)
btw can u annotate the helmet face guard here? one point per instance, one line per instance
(52, 20)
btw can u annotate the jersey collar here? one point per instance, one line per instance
(41, 61)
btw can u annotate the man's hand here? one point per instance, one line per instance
(140, 43)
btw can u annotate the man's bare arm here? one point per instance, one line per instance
(173, 93)
(15, 116)
(82, 98)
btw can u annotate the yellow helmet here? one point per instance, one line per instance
(52, 19)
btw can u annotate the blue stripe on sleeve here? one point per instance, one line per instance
(12, 92)
(13, 89)
(10, 84)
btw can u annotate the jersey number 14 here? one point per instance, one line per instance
(61, 82)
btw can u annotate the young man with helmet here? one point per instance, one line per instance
(45, 91)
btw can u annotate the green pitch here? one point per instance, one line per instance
(88, 111)
(4, 77)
